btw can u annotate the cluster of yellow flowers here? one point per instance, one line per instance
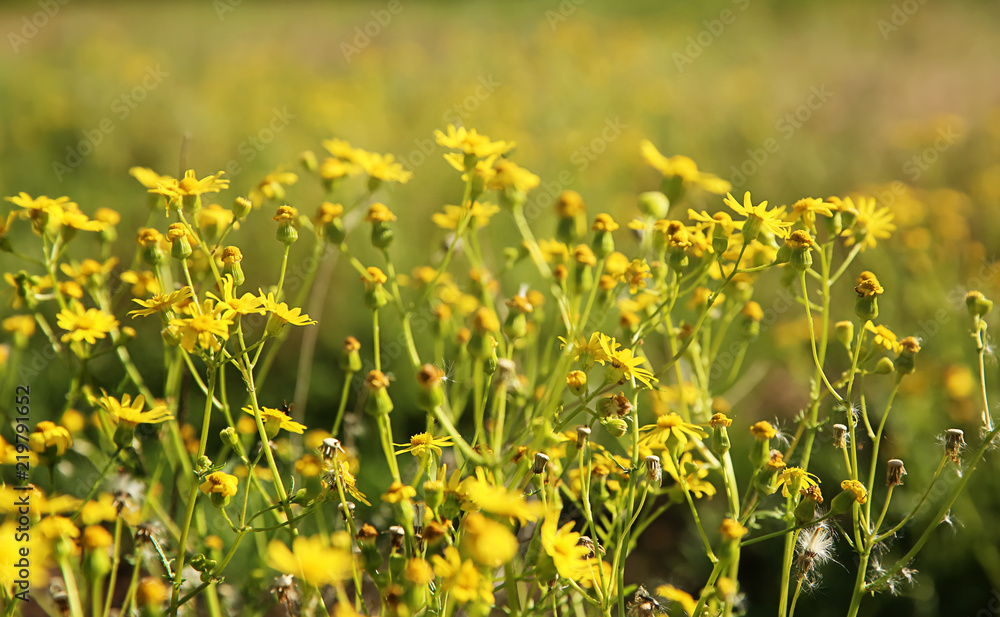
(539, 511)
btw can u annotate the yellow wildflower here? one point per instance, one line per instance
(758, 216)
(562, 544)
(471, 142)
(311, 560)
(85, 325)
(461, 578)
(487, 542)
(160, 303)
(422, 444)
(220, 483)
(275, 420)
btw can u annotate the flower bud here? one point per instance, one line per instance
(286, 217)
(751, 316)
(180, 246)
(378, 402)
(910, 347)
(977, 304)
(380, 216)
(853, 492)
(149, 239)
(430, 394)
(868, 290)
(603, 243)
(801, 244)
(884, 366)
(582, 435)
(350, 358)
(761, 448)
(375, 295)
(654, 204)
(309, 160)
(720, 424)
(805, 511)
(241, 207)
(616, 427)
(231, 439)
(577, 382)
(231, 258)
(844, 331)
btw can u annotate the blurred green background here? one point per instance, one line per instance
(787, 99)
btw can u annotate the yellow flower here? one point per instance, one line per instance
(418, 571)
(679, 596)
(148, 178)
(88, 270)
(671, 427)
(142, 283)
(204, 327)
(275, 420)
(22, 325)
(85, 325)
(461, 578)
(484, 495)
(479, 215)
(758, 216)
(884, 337)
(40, 204)
(189, 185)
(807, 209)
(160, 303)
(732, 530)
(131, 412)
(47, 435)
(795, 479)
(340, 149)
(604, 222)
(763, 430)
(857, 488)
(379, 213)
(343, 471)
(471, 142)
(487, 542)
(220, 483)
(232, 306)
(311, 560)
(398, 493)
(623, 364)
(280, 311)
(562, 544)
(423, 443)
(382, 167)
(682, 167)
(636, 275)
(873, 223)
(273, 185)
(694, 474)
(511, 175)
